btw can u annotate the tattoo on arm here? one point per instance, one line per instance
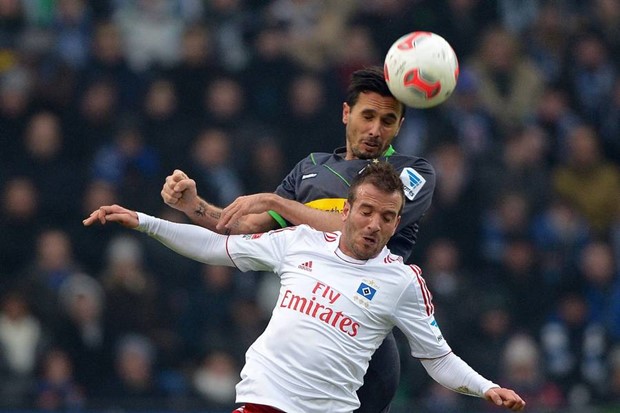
(203, 209)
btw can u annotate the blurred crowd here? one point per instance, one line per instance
(100, 100)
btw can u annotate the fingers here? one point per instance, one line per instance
(94, 217)
(229, 214)
(176, 185)
(507, 398)
(113, 213)
(496, 399)
(97, 215)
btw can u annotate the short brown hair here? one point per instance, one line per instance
(382, 176)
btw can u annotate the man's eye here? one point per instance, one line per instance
(389, 217)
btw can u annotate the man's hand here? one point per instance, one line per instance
(505, 397)
(245, 205)
(113, 213)
(180, 192)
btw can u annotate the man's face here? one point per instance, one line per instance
(371, 125)
(370, 222)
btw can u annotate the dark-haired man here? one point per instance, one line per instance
(318, 185)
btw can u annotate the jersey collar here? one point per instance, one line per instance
(342, 151)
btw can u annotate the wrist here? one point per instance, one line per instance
(198, 208)
(275, 203)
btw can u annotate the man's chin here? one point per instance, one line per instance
(368, 155)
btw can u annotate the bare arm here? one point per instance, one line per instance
(179, 192)
(294, 212)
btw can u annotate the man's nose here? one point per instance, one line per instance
(375, 128)
(374, 223)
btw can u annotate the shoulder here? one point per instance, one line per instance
(319, 158)
(396, 264)
(302, 230)
(416, 290)
(419, 164)
(313, 159)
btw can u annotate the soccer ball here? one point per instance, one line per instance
(421, 69)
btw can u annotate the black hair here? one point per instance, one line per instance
(369, 79)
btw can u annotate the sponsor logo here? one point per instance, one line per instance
(412, 181)
(252, 236)
(328, 204)
(320, 307)
(307, 176)
(306, 266)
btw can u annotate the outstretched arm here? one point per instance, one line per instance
(179, 192)
(192, 241)
(452, 372)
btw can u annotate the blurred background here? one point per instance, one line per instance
(100, 100)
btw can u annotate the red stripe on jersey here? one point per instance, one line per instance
(228, 253)
(275, 231)
(416, 269)
(256, 408)
(426, 294)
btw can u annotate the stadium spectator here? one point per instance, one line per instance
(20, 222)
(43, 159)
(135, 382)
(56, 388)
(215, 378)
(268, 73)
(591, 75)
(588, 180)
(52, 263)
(211, 162)
(559, 234)
(510, 82)
(457, 193)
(23, 339)
(522, 369)
(128, 162)
(574, 349)
(309, 124)
(197, 66)
(83, 332)
(601, 278)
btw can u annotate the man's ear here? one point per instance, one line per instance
(397, 224)
(400, 125)
(346, 111)
(346, 210)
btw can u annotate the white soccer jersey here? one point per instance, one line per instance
(329, 305)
